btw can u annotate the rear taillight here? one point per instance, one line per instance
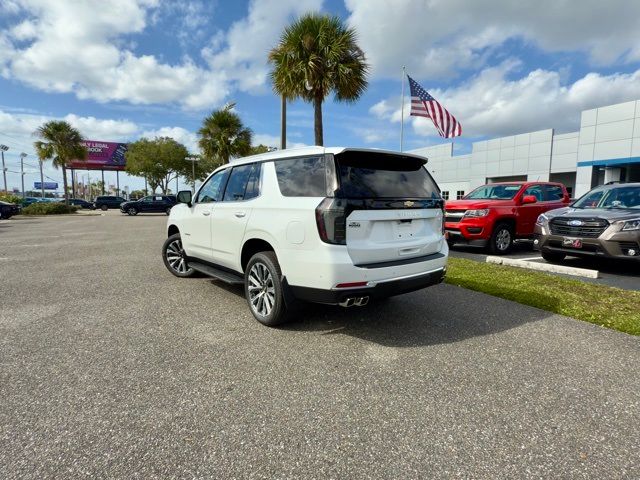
(332, 221)
(443, 219)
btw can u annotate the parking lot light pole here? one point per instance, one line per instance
(193, 159)
(4, 148)
(22, 155)
(41, 179)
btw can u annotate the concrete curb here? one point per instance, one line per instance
(544, 267)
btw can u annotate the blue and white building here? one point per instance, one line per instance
(605, 149)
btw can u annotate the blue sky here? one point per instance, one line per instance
(152, 67)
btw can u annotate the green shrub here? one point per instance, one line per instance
(11, 198)
(49, 209)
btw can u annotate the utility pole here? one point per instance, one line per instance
(283, 123)
(4, 148)
(41, 179)
(22, 155)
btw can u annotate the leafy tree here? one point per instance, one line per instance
(60, 142)
(259, 149)
(223, 136)
(318, 54)
(159, 160)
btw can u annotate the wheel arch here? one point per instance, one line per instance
(511, 221)
(172, 230)
(252, 246)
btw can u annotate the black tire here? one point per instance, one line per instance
(172, 245)
(132, 211)
(451, 243)
(553, 257)
(272, 289)
(104, 208)
(501, 240)
(168, 210)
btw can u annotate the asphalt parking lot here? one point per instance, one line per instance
(111, 367)
(614, 273)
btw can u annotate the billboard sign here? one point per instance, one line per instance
(47, 185)
(102, 156)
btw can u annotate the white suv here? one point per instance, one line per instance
(327, 225)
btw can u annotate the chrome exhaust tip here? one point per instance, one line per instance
(354, 302)
(349, 302)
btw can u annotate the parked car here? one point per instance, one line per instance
(605, 222)
(149, 204)
(496, 214)
(26, 201)
(8, 210)
(335, 226)
(106, 202)
(79, 202)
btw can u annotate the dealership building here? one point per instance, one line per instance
(605, 149)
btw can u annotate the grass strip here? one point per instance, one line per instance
(605, 306)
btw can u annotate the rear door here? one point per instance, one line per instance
(394, 208)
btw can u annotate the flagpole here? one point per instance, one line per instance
(402, 110)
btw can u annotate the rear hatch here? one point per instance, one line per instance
(392, 206)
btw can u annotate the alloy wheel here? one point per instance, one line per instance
(262, 294)
(175, 257)
(503, 239)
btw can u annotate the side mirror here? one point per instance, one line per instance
(184, 196)
(529, 199)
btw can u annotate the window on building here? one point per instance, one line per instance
(445, 194)
(459, 194)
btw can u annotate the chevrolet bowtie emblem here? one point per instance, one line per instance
(409, 203)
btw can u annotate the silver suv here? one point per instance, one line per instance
(605, 222)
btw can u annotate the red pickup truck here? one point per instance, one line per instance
(494, 215)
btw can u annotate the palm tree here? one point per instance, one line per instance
(317, 54)
(60, 142)
(223, 136)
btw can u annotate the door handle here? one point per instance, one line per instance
(239, 214)
(206, 214)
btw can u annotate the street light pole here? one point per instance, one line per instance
(22, 155)
(4, 148)
(194, 159)
(41, 180)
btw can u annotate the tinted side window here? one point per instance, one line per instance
(212, 190)
(554, 193)
(536, 191)
(302, 177)
(253, 185)
(237, 183)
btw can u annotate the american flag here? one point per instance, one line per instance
(424, 105)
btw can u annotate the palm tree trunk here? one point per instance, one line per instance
(64, 183)
(317, 118)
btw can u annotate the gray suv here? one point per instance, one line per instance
(605, 222)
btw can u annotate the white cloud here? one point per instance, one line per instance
(69, 47)
(493, 103)
(182, 135)
(247, 43)
(437, 39)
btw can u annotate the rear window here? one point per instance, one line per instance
(302, 177)
(383, 175)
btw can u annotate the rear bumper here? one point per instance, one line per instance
(381, 289)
